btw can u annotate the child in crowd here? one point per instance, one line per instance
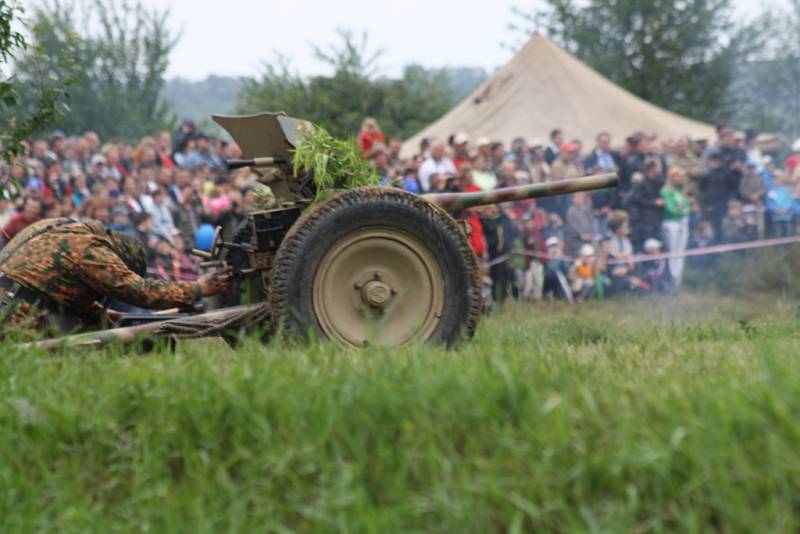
(583, 273)
(702, 237)
(654, 272)
(780, 206)
(556, 270)
(738, 226)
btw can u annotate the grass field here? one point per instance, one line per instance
(622, 416)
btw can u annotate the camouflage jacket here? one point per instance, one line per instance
(75, 266)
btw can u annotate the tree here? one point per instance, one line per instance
(121, 52)
(676, 54)
(764, 88)
(46, 100)
(341, 101)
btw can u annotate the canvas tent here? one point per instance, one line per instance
(544, 87)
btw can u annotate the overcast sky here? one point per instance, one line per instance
(235, 37)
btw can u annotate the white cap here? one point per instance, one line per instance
(587, 250)
(460, 138)
(651, 244)
(98, 159)
(796, 145)
(551, 241)
(482, 141)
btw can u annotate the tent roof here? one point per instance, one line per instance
(543, 87)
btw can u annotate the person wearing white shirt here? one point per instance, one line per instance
(437, 163)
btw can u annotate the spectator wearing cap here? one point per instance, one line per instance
(556, 270)
(632, 168)
(437, 163)
(369, 134)
(554, 147)
(460, 150)
(484, 146)
(564, 167)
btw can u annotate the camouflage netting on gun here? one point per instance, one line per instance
(193, 328)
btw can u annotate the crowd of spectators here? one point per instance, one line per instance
(673, 194)
(161, 189)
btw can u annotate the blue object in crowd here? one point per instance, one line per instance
(411, 185)
(204, 237)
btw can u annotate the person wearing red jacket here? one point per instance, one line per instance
(31, 212)
(369, 135)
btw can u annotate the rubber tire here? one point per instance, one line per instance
(324, 224)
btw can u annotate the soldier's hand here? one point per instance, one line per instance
(216, 282)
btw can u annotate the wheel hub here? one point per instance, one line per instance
(378, 286)
(376, 294)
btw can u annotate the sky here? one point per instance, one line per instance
(236, 37)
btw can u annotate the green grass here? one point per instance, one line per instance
(623, 416)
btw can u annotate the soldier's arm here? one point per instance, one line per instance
(103, 271)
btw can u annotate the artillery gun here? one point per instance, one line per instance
(366, 266)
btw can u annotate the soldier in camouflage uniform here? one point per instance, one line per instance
(57, 272)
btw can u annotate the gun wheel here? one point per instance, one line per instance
(376, 266)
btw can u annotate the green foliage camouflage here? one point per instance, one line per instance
(335, 163)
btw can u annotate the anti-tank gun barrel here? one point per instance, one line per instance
(460, 201)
